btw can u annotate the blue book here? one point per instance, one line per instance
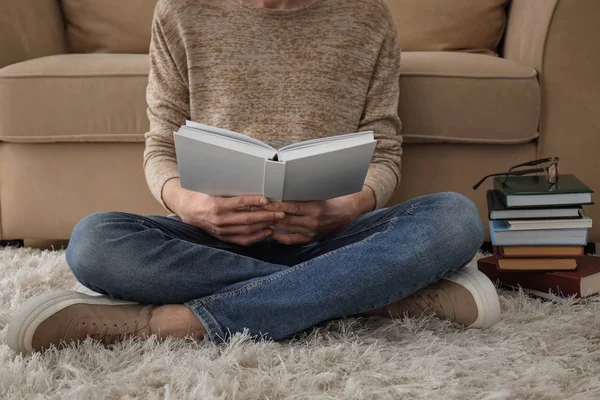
(503, 236)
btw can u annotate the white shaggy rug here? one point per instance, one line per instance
(540, 350)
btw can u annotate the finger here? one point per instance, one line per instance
(255, 208)
(249, 240)
(234, 203)
(290, 239)
(294, 229)
(290, 207)
(250, 218)
(306, 222)
(236, 230)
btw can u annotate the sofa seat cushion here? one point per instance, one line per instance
(444, 97)
(467, 98)
(75, 98)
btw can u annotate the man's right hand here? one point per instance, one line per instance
(229, 219)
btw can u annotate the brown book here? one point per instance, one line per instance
(538, 251)
(537, 264)
(583, 282)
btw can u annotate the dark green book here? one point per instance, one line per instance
(498, 210)
(535, 191)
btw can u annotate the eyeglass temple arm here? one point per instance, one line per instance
(516, 173)
(532, 163)
(484, 178)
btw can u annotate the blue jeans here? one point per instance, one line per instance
(275, 290)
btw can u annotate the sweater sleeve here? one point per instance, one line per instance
(168, 104)
(381, 116)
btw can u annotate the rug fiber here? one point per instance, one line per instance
(540, 350)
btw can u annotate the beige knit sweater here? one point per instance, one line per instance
(281, 76)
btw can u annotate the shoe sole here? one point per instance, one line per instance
(484, 293)
(36, 310)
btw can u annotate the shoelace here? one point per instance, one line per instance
(426, 303)
(106, 333)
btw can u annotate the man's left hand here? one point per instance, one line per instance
(308, 221)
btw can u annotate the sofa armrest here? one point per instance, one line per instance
(559, 38)
(528, 27)
(30, 29)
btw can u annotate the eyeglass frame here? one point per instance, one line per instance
(551, 177)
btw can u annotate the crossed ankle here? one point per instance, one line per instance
(175, 320)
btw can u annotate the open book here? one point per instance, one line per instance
(224, 163)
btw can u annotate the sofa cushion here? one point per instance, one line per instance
(108, 26)
(117, 26)
(467, 98)
(30, 29)
(436, 25)
(444, 97)
(75, 98)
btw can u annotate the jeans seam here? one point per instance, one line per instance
(272, 277)
(220, 333)
(213, 326)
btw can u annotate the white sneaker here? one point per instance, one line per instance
(58, 318)
(466, 297)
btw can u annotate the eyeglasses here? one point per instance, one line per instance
(550, 170)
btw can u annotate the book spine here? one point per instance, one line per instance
(274, 179)
(549, 252)
(499, 251)
(559, 284)
(502, 191)
(490, 203)
(541, 264)
(492, 233)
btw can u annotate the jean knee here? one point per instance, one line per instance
(87, 245)
(463, 216)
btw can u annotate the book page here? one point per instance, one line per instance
(583, 218)
(321, 146)
(227, 142)
(229, 134)
(313, 142)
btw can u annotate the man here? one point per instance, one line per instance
(282, 71)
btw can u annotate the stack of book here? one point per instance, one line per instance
(538, 233)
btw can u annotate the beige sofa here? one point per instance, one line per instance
(72, 125)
